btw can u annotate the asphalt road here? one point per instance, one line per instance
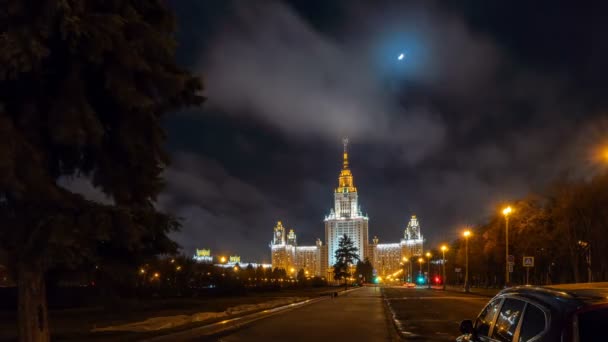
(356, 316)
(431, 315)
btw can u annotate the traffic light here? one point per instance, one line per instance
(420, 279)
(437, 280)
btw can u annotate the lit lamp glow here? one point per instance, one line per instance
(444, 248)
(506, 212)
(466, 235)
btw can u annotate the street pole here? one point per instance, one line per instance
(506, 250)
(466, 274)
(443, 264)
(428, 274)
(589, 273)
(527, 275)
(411, 270)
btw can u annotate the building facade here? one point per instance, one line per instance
(346, 217)
(286, 254)
(388, 258)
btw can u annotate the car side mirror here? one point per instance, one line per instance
(466, 326)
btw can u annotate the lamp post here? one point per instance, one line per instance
(466, 234)
(405, 273)
(506, 211)
(443, 249)
(420, 261)
(428, 270)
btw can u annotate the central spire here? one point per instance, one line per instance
(345, 180)
(345, 162)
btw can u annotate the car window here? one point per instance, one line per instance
(533, 323)
(486, 317)
(508, 317)
(592, 325)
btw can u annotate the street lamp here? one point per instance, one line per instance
(443, 249)
(223, 259)
(428, 270)
(405, 268)
(506, 211)
(466, 234)
(587, 247)
(420, 261)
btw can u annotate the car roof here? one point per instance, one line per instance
(570, 295)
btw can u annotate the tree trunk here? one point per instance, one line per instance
(32, 311)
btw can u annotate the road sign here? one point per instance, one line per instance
(511, 258)
(457, 269)
(510, 268)
(528, 261)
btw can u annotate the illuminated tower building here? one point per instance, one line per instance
(291, 238)
(412, 238)
(292, 258)
(345, 218)
(280, 256)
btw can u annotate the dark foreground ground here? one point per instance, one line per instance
(75, 324)
(432, 315)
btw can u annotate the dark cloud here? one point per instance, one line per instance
(270, 63)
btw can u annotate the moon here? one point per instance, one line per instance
(401, 56)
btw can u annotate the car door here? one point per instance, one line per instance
(485, 321)
(508, 319)
(535, 323)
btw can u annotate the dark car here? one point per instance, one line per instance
(570, 312)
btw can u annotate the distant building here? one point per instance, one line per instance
(286, 254)
(345, 218)
(390, 257)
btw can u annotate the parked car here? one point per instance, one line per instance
(569, 312)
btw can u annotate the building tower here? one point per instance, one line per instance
(345, 218)
(281, 256)
(412, 237)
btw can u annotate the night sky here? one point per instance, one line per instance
(491, 101)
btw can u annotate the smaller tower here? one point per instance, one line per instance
(412, 237)
(279, 234)
(291, 238)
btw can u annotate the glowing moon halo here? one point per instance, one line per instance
(401, 56)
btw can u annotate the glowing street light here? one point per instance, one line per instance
(444, 248)
(420, 262)
(407, 273)
(428, 270)
(506, 212)
(223, 259)
(466, 234)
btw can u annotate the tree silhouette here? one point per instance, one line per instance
(84, 86)
(365, 269)
(345, 255)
